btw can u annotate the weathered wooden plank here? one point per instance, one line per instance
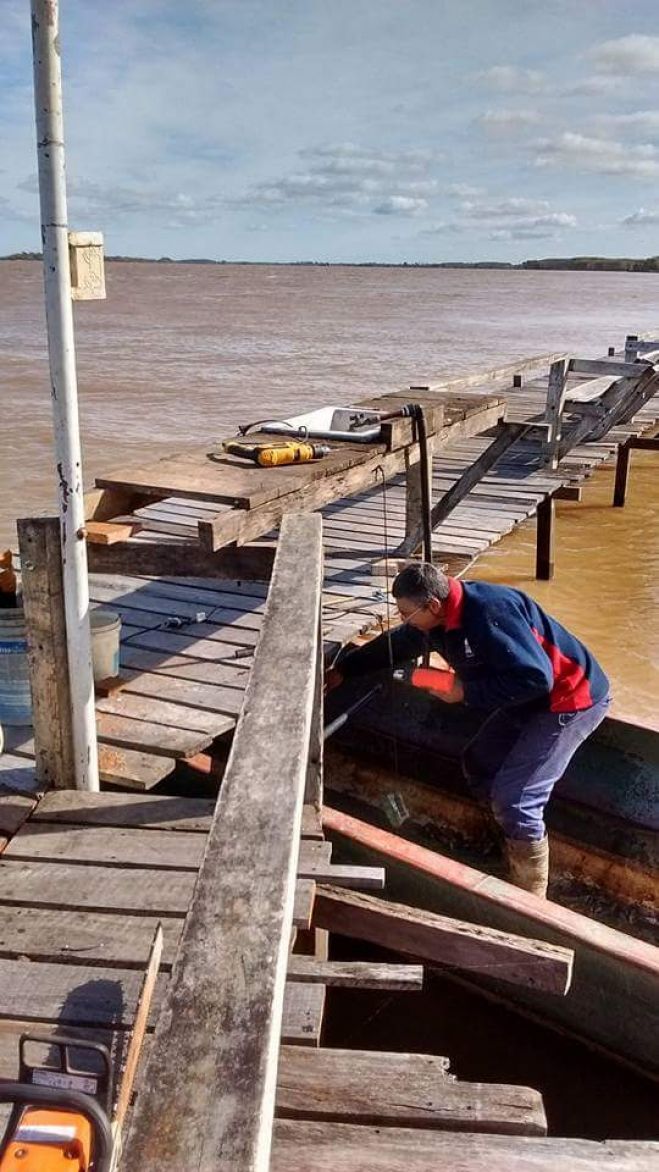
(100, 889)
(108, 532)
(444, 941)
(155, 812)
(355, 1086)
(62, 936)
(178, 557)
(163, 712)
(493, 376)
(302, 1017)
(43, 602)
(180, 682)
(342, 1147)
(108, 846)
(81, 994)
(219, 1085)
(364, 878)
(133, 769)
(14, 810)
(355, 974)
(160, 739)
(303, 901)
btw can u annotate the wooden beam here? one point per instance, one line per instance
(355, 974)
(385, 1090)
(621, 402)
(180, 559)
(568, 492)
(509, 433)
(214, 1057)
(556, 390)
(342, 1147)
(644, 443)
(444, 941)
(602, 366)
(43, 602)
(493, 376)
(544, 539)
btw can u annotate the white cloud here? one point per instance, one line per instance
(400, 205)
(635, 53)
(463, 190)
(641, 217)
(641, 121)
(510, 79)
(595, 86)
(354, 179)
(601, 155)
(502, 208)
(507, 121)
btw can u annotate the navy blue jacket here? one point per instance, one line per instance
(504, 648)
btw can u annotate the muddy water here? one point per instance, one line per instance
(606, 583)
(180, 353)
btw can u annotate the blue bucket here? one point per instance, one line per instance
(15, 697)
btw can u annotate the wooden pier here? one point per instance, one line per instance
(224, 630)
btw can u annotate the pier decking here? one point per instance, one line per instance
(85, 878)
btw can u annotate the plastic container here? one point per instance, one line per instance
(15, 697)
(106, 631)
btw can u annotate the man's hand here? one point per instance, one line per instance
(455, 695)
(333, 679)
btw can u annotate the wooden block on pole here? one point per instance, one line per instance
(43, 602)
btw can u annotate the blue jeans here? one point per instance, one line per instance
(515, 760)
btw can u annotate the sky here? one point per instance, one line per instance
(345, 130)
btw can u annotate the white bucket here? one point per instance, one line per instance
(106, 629)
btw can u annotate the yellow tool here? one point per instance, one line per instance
(273, 455)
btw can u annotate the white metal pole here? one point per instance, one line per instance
(64, 391)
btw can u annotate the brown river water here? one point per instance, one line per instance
(182, 353)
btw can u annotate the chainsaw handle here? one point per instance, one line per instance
(32, 1095)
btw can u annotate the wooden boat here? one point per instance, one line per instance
(396, 767)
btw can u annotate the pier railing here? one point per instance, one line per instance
(207, 1098)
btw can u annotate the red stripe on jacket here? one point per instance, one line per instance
(571, 689)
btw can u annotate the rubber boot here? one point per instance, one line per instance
(528, 864)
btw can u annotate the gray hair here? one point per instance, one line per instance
(420, 582)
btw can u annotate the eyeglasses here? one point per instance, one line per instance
(406, 617)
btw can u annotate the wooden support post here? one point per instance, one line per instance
(622, 476)
(554, 410)
(544, 552)
(611, 351)
(414, 488)
(517, 380)
(43, 602)
(631, 348)
(213, 1061)
(507, 435)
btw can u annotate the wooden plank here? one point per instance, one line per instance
(508, 435)
(100, 889)
(598, 366)
(14, 810)
(108, 846)
(108, 532)
(80, 994)
(363, 878)
(176, 681)
(180, 557)
(303, 902)
(302, 1017)
(131, 768)
(61, 936)
(331, 1085)
(444, 941)
(129, 1071)
(163, 740)
(163, 712)
(43, 602)
(155, 812)
(234, 950)
(355, 974)
(491, 377)
(300, 1145)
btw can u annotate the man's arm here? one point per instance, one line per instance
(517, 669)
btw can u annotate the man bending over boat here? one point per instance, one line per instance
(540, 691)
